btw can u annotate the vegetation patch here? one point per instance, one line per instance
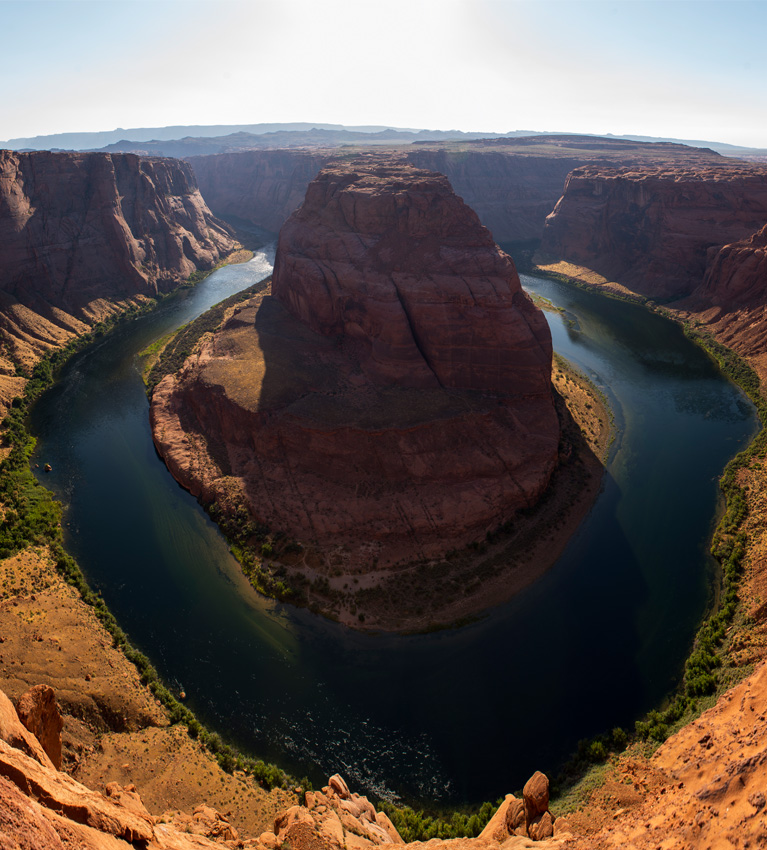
(423, 825)
(172, 351)
(709, 671)
(32, 517)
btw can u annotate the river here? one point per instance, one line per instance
(461, 715)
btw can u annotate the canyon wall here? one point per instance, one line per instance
(392, 399)
(651, 228)
(80, 232)
(264, 187)
(512, 184)
(736, 274)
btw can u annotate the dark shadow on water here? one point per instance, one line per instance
(464, 714)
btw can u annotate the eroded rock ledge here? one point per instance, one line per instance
(392, 399)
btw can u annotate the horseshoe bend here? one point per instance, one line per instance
(388, 401)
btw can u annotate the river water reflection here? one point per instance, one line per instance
(463, 714)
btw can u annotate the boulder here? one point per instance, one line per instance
(536, 796)
(16, 735)
(38, 711)
(383, 820)
(541, 827)
(515, 815)
(338, 784)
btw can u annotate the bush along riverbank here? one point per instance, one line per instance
(711, 668)
(32, 518)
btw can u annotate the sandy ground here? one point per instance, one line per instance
(172, 772)
(590, 277)
(113, 728)
(704, 788)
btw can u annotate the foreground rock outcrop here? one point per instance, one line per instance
(336, 819)
(83, 235)
(392, 399)
(42, 808)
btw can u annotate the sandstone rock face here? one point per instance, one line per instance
(651, 228)
(77, 226)
(392, 400)
(736, 274)
(38, 711)
(513, 184)
(44, 809)
(730, 301)
(333, 818)
(82, 232)
(391, 258)
(512, 194)
(264, 187)
(16, 735)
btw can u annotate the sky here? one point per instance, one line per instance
(690, 69)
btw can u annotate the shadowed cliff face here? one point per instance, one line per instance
(82, 234)
(736, 274)
(512, 184)
(730, 301)
(78, 226)
(264, 187)
(651, 228)
(392, 399)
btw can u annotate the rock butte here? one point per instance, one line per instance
(392, 399)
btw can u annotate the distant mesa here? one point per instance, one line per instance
(391, 399)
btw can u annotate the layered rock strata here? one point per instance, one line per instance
(512, 184)
(42, 808)
(83, 232)
(651, 229)
(730, 302)
(392, 399)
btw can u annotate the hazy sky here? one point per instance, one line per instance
(690, 69)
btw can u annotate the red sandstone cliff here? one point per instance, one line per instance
(264, 187)
(736, 274)
(390, 257)
(651, 228)
(512, 184)
(392, 400)
(79, 231)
